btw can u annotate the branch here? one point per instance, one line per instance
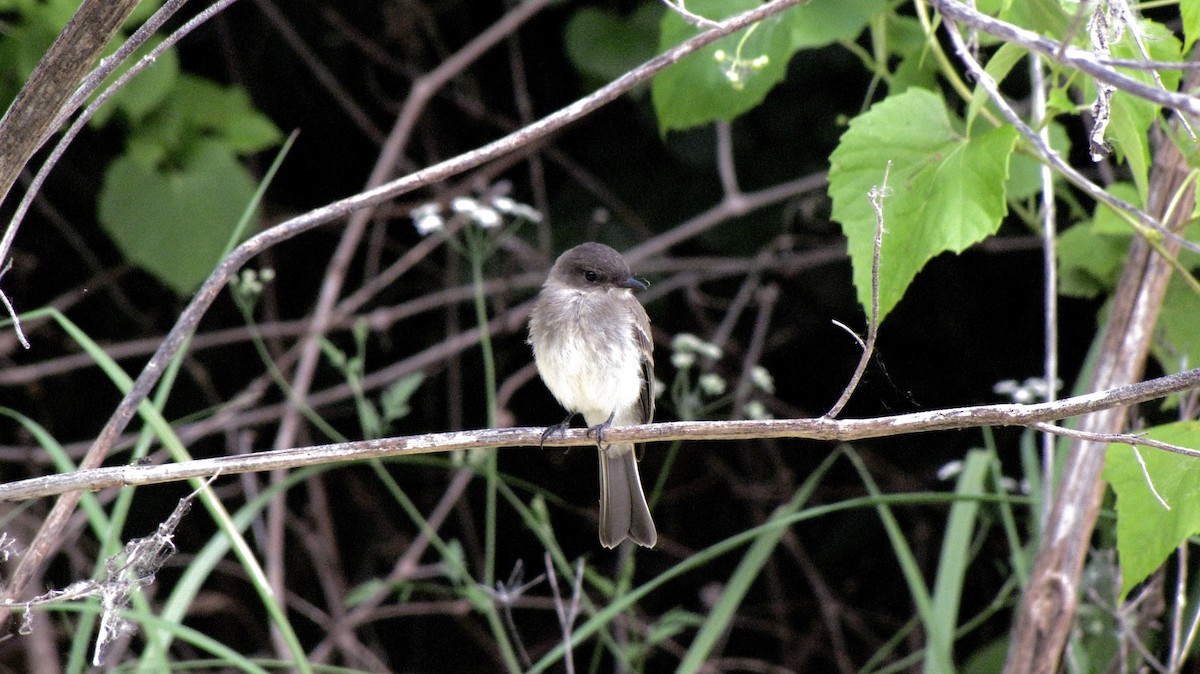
(1058, 52)
(43, 544)
(822, 428)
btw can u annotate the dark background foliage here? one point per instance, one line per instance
(968, 322)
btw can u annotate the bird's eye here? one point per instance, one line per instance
(590, 276)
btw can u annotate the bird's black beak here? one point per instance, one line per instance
(634, 283)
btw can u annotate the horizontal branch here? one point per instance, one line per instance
(812, 429)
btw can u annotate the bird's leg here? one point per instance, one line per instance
(560, 428)
(599, 429)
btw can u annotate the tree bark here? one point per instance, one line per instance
(1047, 611)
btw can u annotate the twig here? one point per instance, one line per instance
(12, 313)
(877, 195)
(32, 116)
(1049, 276)
(821, 428)
(1080, 59)
(694, 19)
(93, 82)
(566, 614)
(44, 543)
(954, 11)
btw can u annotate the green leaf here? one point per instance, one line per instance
(733, 75)
(1132, 116)
(395, 399)
(1177, 343)
(603, 45)
(998, 66)
(724, 79)
(227, 112)
(1044, 16)
(1025, 172)
(821, 22)
(947, 192)
(1147, 532)
(175, 222)
(145, 92)
(1091, 254)
(1089, 261)
(1190, 11)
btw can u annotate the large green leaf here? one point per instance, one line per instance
(1091, 254)
(947, 191)
(1190, 11)
(603, 45)
(1129, 128)
(724, 79)
(733, 75)
(1177, 343)
(174, 222)
(821, 22)
(1147, 532)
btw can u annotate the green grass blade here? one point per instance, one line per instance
(954, 560)
(721, 616)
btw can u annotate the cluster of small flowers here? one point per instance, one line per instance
(249, 284)
(736, 67)
(1030, 390)
(686, 346)
(430, 218)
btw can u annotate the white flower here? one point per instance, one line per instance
(949, 470)
(762, 379)
(427, 218)
(486, 218)
(756, 410)
(464, 205)
(712, 384)
(682, 360)
(1030, 390)
(686, 342)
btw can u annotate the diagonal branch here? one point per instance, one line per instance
(45, 541)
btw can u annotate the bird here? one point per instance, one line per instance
(592, 346)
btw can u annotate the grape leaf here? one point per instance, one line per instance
(1147, 532)
(947, 190)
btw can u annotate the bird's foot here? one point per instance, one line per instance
(599, 430)
(559, 428)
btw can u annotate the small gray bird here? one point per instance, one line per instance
(591, 342)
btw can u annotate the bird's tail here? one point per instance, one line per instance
(623, 510)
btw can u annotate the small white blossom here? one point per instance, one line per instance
(757, 411)
(464, 205)
(762, 379)
(683, 360)
(504, 204)
(686, 342)
(949, 470)
(486, 218)
(516, 209)
(709, 350)
(712, 384)
(427, 218)
(659, 388)
(1028, 391)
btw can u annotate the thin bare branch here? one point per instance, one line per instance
(877, 195)
(822, 428)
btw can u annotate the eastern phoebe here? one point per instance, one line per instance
(591, 342)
